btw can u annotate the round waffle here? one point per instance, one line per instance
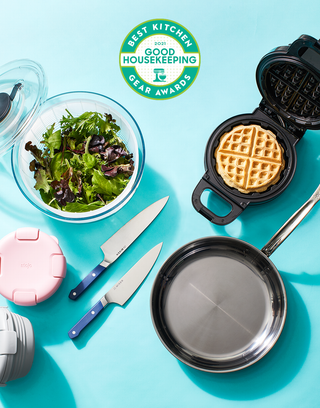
(249, 158)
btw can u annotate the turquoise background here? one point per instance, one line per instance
(119, 361)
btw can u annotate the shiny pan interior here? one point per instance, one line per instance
(218, 304)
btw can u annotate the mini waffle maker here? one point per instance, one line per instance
(289, 82)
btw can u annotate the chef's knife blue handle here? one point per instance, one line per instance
(76, 292)
(87, 318)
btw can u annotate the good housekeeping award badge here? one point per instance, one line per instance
(159, 59)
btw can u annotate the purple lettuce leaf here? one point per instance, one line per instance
(112, 171)
(114, 152)
(63, 193)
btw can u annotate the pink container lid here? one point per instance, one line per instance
(32, 266)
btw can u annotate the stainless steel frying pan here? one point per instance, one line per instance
(218, 304)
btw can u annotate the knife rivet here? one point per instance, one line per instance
(92, 312)
(93, 274)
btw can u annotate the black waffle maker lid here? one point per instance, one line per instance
(288, 79)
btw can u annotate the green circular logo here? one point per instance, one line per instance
(159, 59)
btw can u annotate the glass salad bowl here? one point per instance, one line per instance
(26, 114)
(51, 112)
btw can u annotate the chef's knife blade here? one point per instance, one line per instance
(122, 290)
(119, 242)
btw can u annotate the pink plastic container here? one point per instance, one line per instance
(32, 266)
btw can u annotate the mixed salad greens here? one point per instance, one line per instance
(84, 165)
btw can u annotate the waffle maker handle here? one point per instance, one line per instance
(236, 209)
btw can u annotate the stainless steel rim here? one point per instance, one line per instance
(162, 326)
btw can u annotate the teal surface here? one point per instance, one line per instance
(118, 361)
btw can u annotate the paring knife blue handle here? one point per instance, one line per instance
(122, 290)
(76, 292)
(87, 318)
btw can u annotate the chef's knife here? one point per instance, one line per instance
(119, 242)
(121, 291)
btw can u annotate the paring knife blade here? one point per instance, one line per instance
(119, 242)
(122, 290)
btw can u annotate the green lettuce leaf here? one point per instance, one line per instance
(48, 198)
(81, 207)
(52, 140)
(41, 180)
(108, 186)
(59, 164)
(89, 160)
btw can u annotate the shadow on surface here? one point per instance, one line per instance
(270, 216)
(10, 196)
(44, 386)
(81, 243)
(84, 240)
(274, 371)
(91, 329)
(50, 319)
(88, 332)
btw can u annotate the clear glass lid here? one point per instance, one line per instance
(23, 89)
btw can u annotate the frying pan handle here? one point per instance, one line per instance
(236, 209)
(291, 224)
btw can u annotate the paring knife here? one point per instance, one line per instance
(121, 291)
(119, 242)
